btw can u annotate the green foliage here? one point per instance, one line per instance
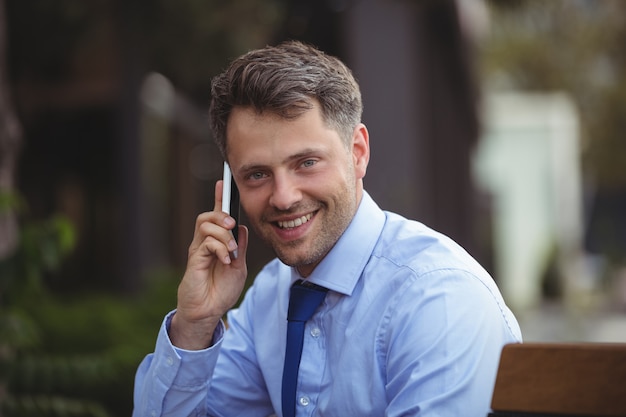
(52, 406)
(78, 357)
(44, 245)
(69, 356)
(10, 201)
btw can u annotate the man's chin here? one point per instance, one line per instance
(292, 259)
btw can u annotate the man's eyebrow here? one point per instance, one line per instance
(303, 154)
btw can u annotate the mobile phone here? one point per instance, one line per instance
(230, 199)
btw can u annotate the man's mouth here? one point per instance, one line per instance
(290, 224)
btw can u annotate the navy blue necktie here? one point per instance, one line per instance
(304, 298)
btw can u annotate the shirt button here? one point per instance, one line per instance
(169, 361)
(304, 401)
(315, 332)
(153, 413)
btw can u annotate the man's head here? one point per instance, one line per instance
(286, 80)
(287, 118)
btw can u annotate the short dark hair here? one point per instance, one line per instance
(286, 80)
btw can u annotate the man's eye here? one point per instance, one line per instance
(257, 176)
(309, 163)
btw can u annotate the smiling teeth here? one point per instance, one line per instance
(294, 223)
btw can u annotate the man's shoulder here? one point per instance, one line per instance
(411, 244)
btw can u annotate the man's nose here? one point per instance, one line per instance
(286, 192)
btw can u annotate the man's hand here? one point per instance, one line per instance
(213, 280)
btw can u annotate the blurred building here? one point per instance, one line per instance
(529, 162)
(128, 157)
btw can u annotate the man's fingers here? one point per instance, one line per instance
(216, 227)
(216, 248)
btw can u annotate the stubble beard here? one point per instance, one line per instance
(329, 228)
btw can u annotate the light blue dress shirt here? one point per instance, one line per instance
(411, 326)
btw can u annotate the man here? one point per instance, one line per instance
(410, 325)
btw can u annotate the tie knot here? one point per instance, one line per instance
(304, 298)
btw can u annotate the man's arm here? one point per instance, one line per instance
(209, 382)
(211, 285)
(444, 346)
(213, 280)
(174, 382)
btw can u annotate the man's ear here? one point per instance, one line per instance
(360, 150)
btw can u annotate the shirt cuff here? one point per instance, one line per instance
(185, 368)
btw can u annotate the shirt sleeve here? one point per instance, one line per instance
(443, 349)
(240, 378)
(173, 381)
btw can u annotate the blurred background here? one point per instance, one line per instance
(501, 123)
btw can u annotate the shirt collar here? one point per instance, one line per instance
(342, 266)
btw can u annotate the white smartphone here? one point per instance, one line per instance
(230, 199)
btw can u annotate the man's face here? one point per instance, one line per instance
(300, 184)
